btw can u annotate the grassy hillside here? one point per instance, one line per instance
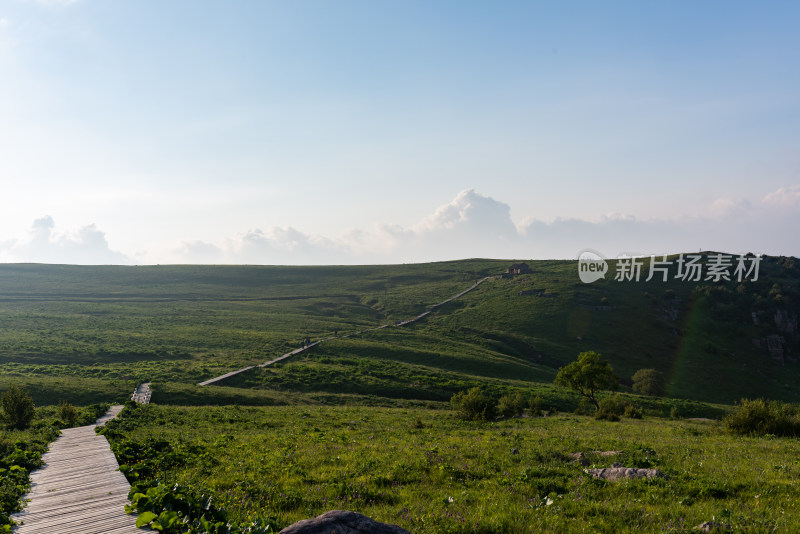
(89, 334)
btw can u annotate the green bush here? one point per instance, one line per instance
(535, 406)
(585, 407)
(632, 412)
(18, 407)
(611, 408)
(68, 413)
(473, 405)
(511, 405)
(648, 382)
(759, 417)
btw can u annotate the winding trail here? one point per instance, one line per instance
(430, 309)
(80, 489)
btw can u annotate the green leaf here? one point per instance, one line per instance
(144, 519)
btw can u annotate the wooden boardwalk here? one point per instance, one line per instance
(80, 490)
(216, 379)
(142, 394)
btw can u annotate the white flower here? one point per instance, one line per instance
(548, 501)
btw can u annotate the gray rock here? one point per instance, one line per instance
(619, 473)
(342, 522)
(713, 526)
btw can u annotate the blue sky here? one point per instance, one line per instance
(376, 131)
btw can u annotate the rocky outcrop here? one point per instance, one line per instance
(342, 522)
(619, 473)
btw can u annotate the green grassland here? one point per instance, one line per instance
(363, 421)
(431, 473)
(99, 330)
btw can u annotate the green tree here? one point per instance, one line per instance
(18, 407)
(587, 375)
(648, 382)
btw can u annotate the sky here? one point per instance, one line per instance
(377, 131)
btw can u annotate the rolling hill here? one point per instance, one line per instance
(90, 333)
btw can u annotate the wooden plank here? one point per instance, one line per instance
(80, 489)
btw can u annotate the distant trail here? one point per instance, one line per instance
(80, 488)
(216, 379)
(142, 394)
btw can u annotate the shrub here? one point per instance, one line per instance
(758, 417)
(611, 408)
(473, 405)
(648, 382)
(535, 406)
(18, 407)
(584, 407)
(511, 405)
(68, 413)
(632, 412)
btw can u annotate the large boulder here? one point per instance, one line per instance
(342, 522)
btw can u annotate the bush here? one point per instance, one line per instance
(585, 407)
(535, 406)
(633, 412)
(18, 407)
(511, 405)
(68, 413)
(648, 382)
(611, 408)
(759, 417)
(473, 405)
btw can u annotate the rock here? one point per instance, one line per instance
(618, 473)
(606, 453)
(342, 522)
(713, 526)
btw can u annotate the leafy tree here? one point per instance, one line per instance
(587, 375)
(18, 407)
(648, 382)
(473, 405)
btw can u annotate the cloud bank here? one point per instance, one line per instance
(471, 225)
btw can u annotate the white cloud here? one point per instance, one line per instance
(471, 213)
(86, 245)
(784, 197)
(725, 207)
(471, 225)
